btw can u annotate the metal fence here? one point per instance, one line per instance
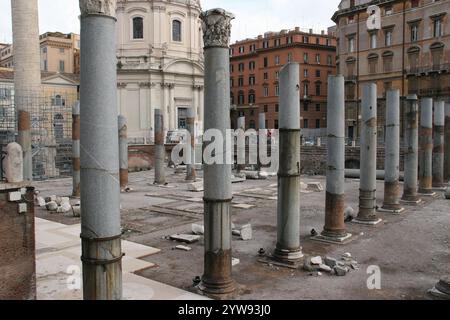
(51, 128)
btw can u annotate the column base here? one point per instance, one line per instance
(333, 239)
(411, 201)
(389, 209)
(287, 256)
(218, 291)
(427, 193)
(447, 193)
(367, 222)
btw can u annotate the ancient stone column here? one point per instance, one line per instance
(410, 195)
(160, 149)
(217, 280)
(392, 158)
(100, 187)
(27, 72)
(123, 152)
(438, 144)
(241, 147)
(368, 182)
(426, 147)
(76, 149)
(288, 248)
(334, 229)
(190, 168)
(447, 143)
(261, 135)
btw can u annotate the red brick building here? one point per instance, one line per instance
(255, 66)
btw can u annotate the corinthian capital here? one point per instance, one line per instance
(101, 7)
(216, 27)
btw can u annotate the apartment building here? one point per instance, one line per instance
(255, 67)
(409, 51)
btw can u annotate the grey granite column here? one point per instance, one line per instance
(334, 229)
(438, 144)
(190, 168)
(391, 201)
(123, 152)
(288, 247)
(76, 149)
(100, 188)
(217, 280)
(447, 143)
(410, 195)
(160, 150)
(426, 147)
(368, 182)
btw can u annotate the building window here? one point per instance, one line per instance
(241, 98)
(251, 97)
(252, 47)
(305, 57)
(241, 67)
(252, 65)
(289, 57)
(138, 28)
(289, 40)
(437, 28)
(277, 90)
(241, 81)
(277, 108)
(306, 107)
(251, 80)
(266, 91)
(277, 60)
(305, 39)
(241, 49)
(45, 65)
(275, 124)
(176, 30)
(252, 124)
(329, 60)
(414, 3)
(266, 44)
(388, 61)
(414, 33)
(305, 123)
(277, 42)
(266, 76)
(388, 10)
(318, 58)
(318, 73)
(266, 108)
(305, 73)
(306, 89)
(373, 63)
(318, 107)
(388, 38)
(232, 97)
(58, 101)
(318, 89)
(61, 50)
(266, 62)
(61, 66)
(351, 44)
(231, 68)
(277, 75)
(317, 123)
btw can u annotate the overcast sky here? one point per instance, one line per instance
(253, 17)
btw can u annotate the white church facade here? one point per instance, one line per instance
(160, 64)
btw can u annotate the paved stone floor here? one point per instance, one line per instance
(411, 249)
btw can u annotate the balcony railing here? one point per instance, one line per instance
(425, 70)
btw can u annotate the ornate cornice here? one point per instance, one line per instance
(216, 28)
(121, 85)
(98, 7)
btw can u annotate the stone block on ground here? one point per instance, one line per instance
(246, 232)
(340, 271)
(183, 248)
(51, 206)
(198, 229)
(186, 238)
(315, 187)
(40, 201)
(64, 208)
(331, 262)
(196, 186)
(316, 260)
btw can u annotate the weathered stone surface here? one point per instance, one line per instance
(183, 248)
(331, 262)
(76, 211)
(51, 206)
(13, 163)
(103, 7)
(187, 238)
(315, 187)
(216, 25)
(235, 261)
(196, 186)
(316, 260)
(324, 267)
(64, 208)
(246, 232)
(340, 271)
(198, 229)
(40, 201)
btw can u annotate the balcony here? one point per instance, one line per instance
(427, 70)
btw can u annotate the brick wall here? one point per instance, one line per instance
(17, 248)
(141, 157)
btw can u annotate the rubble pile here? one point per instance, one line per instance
(318, 265)
(55, 204)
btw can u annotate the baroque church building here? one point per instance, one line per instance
(160, 64)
